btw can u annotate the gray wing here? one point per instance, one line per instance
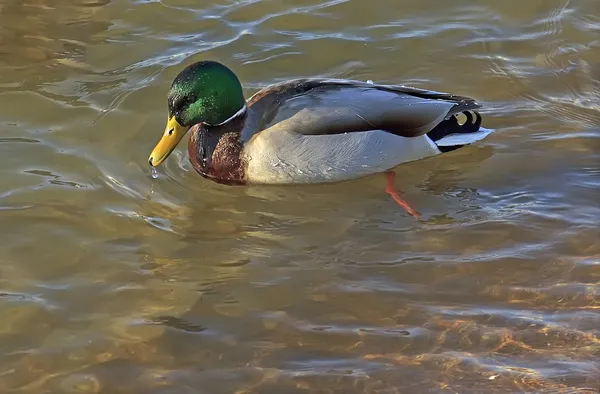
(339, 106)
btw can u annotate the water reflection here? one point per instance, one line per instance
(38, 38)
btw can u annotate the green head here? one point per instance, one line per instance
(204, 92)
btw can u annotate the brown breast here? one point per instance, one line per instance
(216, 154)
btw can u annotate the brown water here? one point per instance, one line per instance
(113, 282)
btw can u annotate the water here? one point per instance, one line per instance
(114, 282)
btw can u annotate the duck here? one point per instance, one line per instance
(309, 130)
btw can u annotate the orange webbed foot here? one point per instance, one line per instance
(390, 189)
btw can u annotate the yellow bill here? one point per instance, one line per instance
(174, 132)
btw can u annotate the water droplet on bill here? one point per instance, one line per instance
(154, 172)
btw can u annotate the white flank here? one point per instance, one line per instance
(282, 157)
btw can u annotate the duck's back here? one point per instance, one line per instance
(328, 106)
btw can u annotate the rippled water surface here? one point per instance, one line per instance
(113, 282)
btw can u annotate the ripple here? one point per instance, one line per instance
(114, 281)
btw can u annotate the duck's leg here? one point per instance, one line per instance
(390, 188)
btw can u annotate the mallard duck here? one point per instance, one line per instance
(310, 130)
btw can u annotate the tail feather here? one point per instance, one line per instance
(449, 135)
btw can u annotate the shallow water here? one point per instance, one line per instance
(178, 285)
